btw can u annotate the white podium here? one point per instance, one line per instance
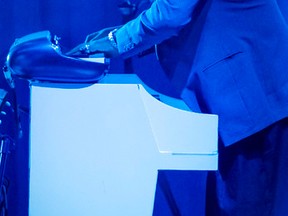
(95, 150)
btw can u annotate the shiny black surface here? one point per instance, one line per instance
(38, 57)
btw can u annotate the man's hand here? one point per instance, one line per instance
(97, 42)
(100, 34)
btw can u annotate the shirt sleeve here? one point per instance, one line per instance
(162, 20)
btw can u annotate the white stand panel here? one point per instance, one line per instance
(95, 150)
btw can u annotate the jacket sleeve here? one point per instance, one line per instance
(162, 20)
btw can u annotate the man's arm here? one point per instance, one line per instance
(162, 20)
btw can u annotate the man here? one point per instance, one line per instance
(226, 57)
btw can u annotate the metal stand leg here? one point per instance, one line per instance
(5, 147)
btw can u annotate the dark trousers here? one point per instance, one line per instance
(252, 179)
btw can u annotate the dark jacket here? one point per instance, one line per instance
(226, 57)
